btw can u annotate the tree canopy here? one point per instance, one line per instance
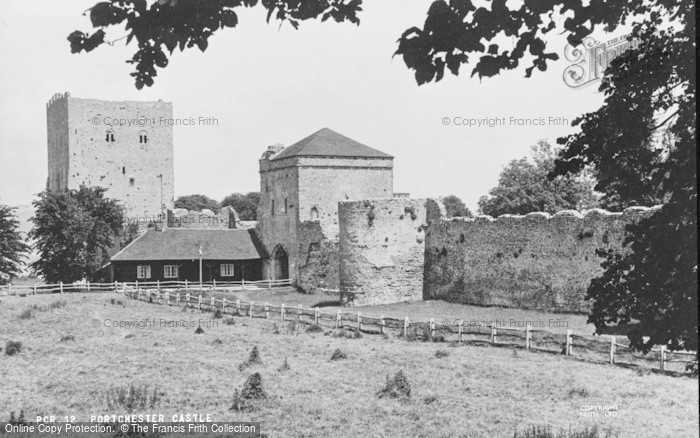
(523, 187)
(245, 205)
(197, 203)
(455, 207)
(642, 143)
(73, 230)
(13, 249)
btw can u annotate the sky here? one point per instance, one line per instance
(268, 84)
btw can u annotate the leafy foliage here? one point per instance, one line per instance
(642, 143)
(132, 398)
(73, 230)
(455, 207)
(197, 203)
(523, 187)
(13, 249)
(166, 25)
(245, 205)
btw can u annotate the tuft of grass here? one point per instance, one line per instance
(253, 359)
(441, 353)
(578, 392)
(275, 329)
(314, 328)
(217, 341)
(250, 395)
(285, 366)
(13, 347)
(396, 387)
(338, 354)
(20, 420)
(26, 314)
(67, 338)
(545, 431)
(199, 330)
(429, 399)
(217, 314)
(131, 398)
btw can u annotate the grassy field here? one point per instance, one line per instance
(74, 353)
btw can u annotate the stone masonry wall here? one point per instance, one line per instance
(536, 261)
(136, 168)
(382, 246)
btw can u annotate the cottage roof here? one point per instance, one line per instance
(184, 244)
(328, 143)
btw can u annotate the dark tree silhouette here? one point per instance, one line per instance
(245, 205)
(13, 249)
(197, 203)
(455, 207)
(523, 187)
(73, 230)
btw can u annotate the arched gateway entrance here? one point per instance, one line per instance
(279, 264)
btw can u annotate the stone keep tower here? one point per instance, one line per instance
(300, 187)
(123, 147)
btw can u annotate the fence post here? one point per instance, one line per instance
(432, 328)
(662, 359)
(238, 307)
(612, 350)
(405, 327)
(267, 310)
(528, 334)
(359, 321)
(116, 286)
(381, 324)
(316, 316)
(251, 309)
(213, 303)
(568, 343)
(35, 288)
(187, 297)
(158, 284)
(299, 313)
(88, 287)
(214, 280)
(177, 299)
(200, 301)
(186, 283)
(60, 285)
(493, 334)
(137, 284)
(459, 331)
(167, 298)
(338, 317)
(269, 283)
(282, 311)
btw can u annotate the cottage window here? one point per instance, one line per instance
(143, 271)
(170, 271)
(227, 269)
